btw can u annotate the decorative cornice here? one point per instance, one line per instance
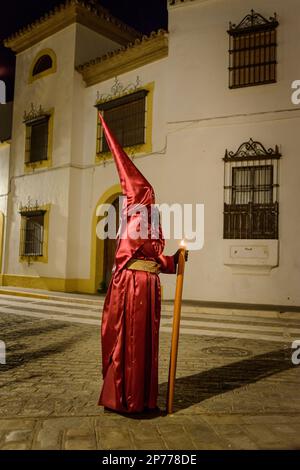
(72, 11)
(141, 52)
(34, 113)
(31, 207)
(252, 150)
(118, 90)
(253, 21)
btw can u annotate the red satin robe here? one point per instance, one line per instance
(130, 333)
(131, 314)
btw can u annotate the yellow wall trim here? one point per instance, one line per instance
(136, 149)
(2, 219)
(136, 55)
(29, 167)
(44, 258)
(88, 285)
(97, 245)
(6, 143)
(47, 283)
(84, 286)
(49, 71)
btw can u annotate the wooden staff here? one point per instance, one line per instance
(176, 326)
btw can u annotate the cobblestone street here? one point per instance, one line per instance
(231, 393)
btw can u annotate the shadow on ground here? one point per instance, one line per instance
(194, 389)
(17, 355)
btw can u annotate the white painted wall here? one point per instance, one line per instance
(90, 44)
(4, 185)
(205, 118)
(196, 117)
(92, 181)
(198, 59)
(4, 175)
(52, 91)
(47, 188)
(203, 145)
(50, 186)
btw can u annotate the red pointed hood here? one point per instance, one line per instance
(138, 192)
(134, 185)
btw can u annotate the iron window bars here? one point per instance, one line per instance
(126, 117)
(37, 131)
(252, 51)
(251, 187)
(32, 233)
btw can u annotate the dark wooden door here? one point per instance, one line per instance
(110, 248)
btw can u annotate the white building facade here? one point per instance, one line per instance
(208, 135)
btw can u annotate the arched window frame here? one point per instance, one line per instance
(49, 71)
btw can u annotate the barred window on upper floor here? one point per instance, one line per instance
(126, 117)
(253, 51)
(37, 133)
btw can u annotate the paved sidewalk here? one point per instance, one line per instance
(230, 393)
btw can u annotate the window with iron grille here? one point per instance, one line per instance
(37, 132)
(251, 186)
(252, 51)
(32, 233)
(43, 63)
(126, 117)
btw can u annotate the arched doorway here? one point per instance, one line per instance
(102, 251)
(110, 249)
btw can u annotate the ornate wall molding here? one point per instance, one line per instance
(30, 207)
(252, 150)
(117, 90)
(141, 52)
(253, 21)
(34, 113)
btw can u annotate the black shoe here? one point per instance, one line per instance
(153, 411)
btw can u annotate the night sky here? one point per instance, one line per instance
(145, 16)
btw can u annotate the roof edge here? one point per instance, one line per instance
(72, 11)
(141, 52)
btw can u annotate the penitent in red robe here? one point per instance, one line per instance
(131, 313)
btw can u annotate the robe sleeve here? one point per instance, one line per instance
(167, 264)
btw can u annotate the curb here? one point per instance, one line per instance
(24, 294)
(34, 295)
